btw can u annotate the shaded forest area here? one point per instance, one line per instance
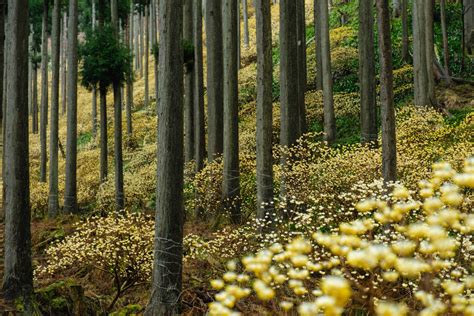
(236, 157)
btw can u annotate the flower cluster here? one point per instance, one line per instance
(404, 244)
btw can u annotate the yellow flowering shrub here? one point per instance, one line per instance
(120, 245)
(413, 247)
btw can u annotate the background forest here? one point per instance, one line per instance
(291, 157)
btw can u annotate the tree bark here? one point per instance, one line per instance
(188, 85)
(405, 35)
(389, 144)
(329, 117)
(444, 31)
(142, 41)
(468, 14)
(168, 247)
(301, 55)
(397, 8)
(94, 89)
(264, 112)
(30, 72)
(129, 103)
(245, 16)
(35, 99)
(119, 192)
(103, 134)
(146, 55)
(199, 123)
(2, 58)
(63, 63)
(155, 44)
(419, 55)
(18, 272)
(368, 110)
(70, 194)
(430, 54)
(53, 200)
(317, 41)
(215, 107)
(231, 176)
(44, 91)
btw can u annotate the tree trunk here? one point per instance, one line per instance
(444, 31)
(368, 110)
(199, 123)
(146, 55)
(94, 89)
(70, 193)
(142, 41)
(103, 134)
(397, 8)
(468, 13)
(289, 106)
(119, 193)
(329, 117)
(18, 272)
(405, 35)
(301, 55)
(64, 62)
(30, 72)
(264, 111)
(215, 107)
(231, 176)
(168, 247)
(420, 72)
(129, 103)
(188, 85)
(430, 54)
(53, 201)
(155, 44)
(44, 91)
(317, 41)
(2, 58)
(389, 144)
(35, 100)
(246, 23)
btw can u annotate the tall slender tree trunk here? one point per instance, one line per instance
(70, 194)
(264, 112)
(368, 110)
(430, 54)
(142, 41)
(329, 117)
(215, 107)
(18, 272)
(137, 41)
(129, 103)
(289, 106)
(119, 192)
(389, 143)
(397, 8)
(444, 31)
(53, 201)
(317, 41)
(302, 75)
(231, 177)
(199, 123)
(188, 84)
(405, 31)
(103, 134)
(419, 55)
(146, 55)
(63, 63)
(94, 89)
(2, 59)
(168, 247)
(103, 108)
(44, 91)
(155, 45)
(245, 16)
(30, 72)
(35, 99)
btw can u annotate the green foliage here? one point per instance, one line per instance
(188, 52)
(84, 138)
(105, 59)
(458, 116)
